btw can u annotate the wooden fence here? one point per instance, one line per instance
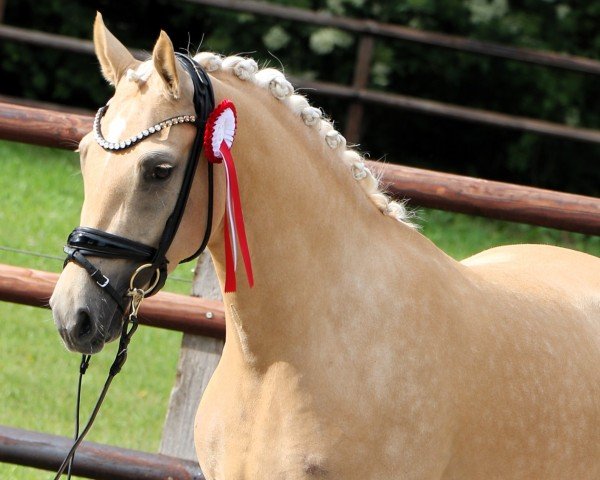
(202, 320)
(190, 315)
(203, 317)
(368, 30)
(357, 94)
(397, 32)
(164, 310)
(100, 462)
(427, 188)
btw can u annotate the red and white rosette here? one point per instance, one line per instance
(218, 139)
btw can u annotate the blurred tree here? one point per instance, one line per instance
(328, 54)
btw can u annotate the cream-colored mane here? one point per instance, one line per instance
(275, 82)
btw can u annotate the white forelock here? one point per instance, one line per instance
(141, 74)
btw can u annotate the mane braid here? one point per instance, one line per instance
(275, 82)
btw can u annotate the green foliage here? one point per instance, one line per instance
(401, 67)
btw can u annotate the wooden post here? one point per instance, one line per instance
(362, 70)
(197, 361)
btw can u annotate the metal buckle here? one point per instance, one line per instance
(105, 283)
(154, 281)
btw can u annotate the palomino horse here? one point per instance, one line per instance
(363, 351)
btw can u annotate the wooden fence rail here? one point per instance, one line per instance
(503, 201)
(356, 93)
(427, 188)
(363, 27)
(186, 314)
(199, 319)
(52, 40)
(455, 112)
(371, 27)
(96, 461)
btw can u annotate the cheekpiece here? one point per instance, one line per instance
(124, 144)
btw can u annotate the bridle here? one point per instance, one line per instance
(89, 242)
(84, 242)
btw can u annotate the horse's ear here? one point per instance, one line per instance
(114, 58)
(163, 56)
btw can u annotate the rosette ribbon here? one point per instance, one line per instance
(218, 138)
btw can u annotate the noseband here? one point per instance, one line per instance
(84, 242)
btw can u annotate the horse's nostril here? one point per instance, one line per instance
(84, 323)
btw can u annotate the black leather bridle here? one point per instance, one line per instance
(84, 242)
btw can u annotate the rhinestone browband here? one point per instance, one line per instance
(135, 138)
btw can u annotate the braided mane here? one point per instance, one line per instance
(275, 82)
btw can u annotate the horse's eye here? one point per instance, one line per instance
(162, 171)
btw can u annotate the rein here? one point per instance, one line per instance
(84, 242)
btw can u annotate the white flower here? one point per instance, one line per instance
(276, 38)
(484, 11)
(381, 73)
(325, 40)
(562, 11)
(339, 8)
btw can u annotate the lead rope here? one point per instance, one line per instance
(88, 241)
(85, 363)
(129, 328)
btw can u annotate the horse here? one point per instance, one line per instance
(362, 351)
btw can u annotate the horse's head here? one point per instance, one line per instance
(136, 161)
(131, 188)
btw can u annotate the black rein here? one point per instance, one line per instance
(84, 242)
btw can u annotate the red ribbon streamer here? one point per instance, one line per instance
(230, 276)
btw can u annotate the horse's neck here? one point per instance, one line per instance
(319, 246)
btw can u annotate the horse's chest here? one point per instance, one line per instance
(268, 429)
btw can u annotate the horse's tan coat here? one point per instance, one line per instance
(363, 351)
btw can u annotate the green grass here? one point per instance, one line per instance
(462, 235)
(41, 194)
